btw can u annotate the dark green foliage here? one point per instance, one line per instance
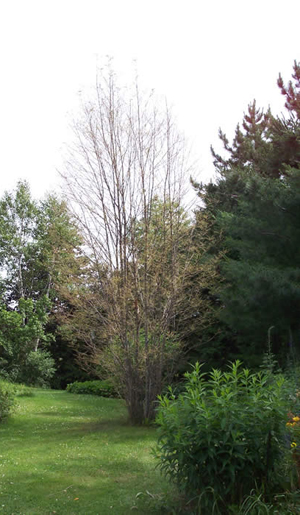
(7, 394)
(101, 388)
(21, 331)
(254, 210)
(66, 358)
(39, 368)
(262, 273)
(224, 435)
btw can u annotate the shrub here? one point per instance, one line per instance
(7, 393)
(39, 368)
(224, 435)
(24, 391)
(101, 388)
(36, 369)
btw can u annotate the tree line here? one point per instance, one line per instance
(122, 280)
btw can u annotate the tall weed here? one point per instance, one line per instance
(223, 436)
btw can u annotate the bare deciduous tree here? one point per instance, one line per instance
(125, 176)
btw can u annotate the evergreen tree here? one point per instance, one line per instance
(251, 145)
(262, 273)
(254, 212)
(292, 91)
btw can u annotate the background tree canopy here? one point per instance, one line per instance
(38, 258)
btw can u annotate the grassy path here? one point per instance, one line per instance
(62, 453)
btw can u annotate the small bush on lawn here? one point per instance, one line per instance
(224, 436)
(101, 388)
(39, 369)
(7, 393)
(24, 391)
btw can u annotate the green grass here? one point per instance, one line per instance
(76, 454)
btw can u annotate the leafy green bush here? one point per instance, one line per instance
(224, 436)
(7, 393)
(19, 361)
(36, 369)
(24, 391)
(101, 388)
(39, 368)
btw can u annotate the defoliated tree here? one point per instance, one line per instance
(128, 154)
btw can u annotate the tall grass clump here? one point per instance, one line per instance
(7, 394)
(224, 436)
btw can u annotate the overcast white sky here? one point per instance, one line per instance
(209, 58)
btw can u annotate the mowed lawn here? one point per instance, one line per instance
(76, 454)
